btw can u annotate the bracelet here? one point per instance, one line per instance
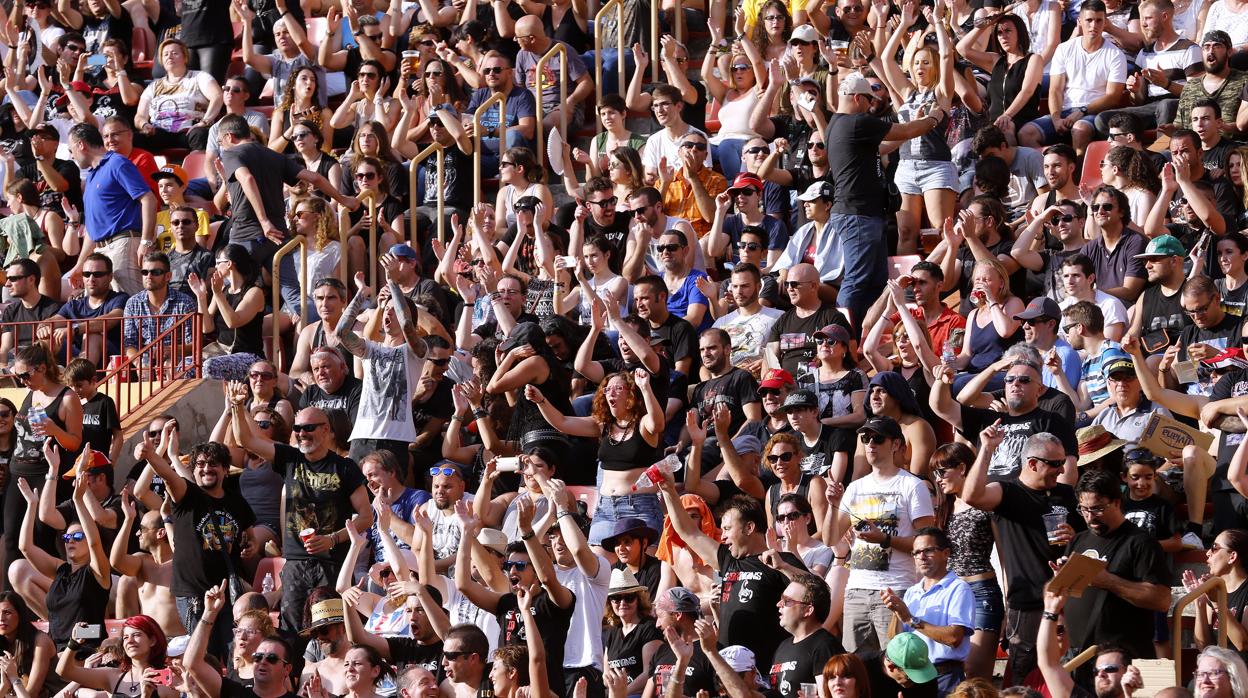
(479, 413)
(562, 514)
(1049, 615)
(457, 418)
(527, 536)
(888, 541)
(207, 621)
(167, 520)
(495, 296)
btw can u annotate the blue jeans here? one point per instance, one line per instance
(612, 509)
(989, 606)
(866, 263)
(191, 608)
(728, 154)
(610, 67)
(490, 150)
(1045, 124)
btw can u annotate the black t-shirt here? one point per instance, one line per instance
(440, 405)
(49, 199)
(748, 601)
(1101, 617)
(270, 170)
(682, 335)
(318, 496)
(16, 311)
(1025, 548)
(1224, 335)
(491, 330)
(206, 534)
(1007, 459)
(649, 575)
(736, 389)
(406, 650)
(700, 676)
(797, 346)
(99, 419)
(456, 179)
(883, 685)
(552, 622)
(345, 401)
(797, 663)
(1232, 384)
(817, 457)
(625, 651)
(1152, 515)
(854, 160)
(233, 689)
(198, 261)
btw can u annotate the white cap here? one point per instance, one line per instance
(804, 32)
(818, 189)
(855, 84)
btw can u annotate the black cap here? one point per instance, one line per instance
(884, 426)
(800, 400)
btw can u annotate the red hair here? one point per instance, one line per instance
(149, 627)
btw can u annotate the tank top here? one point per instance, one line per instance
(318, 341)
(987, 346)
(247, 339)
(931, 145)
(392, 623)
(28, 458)
(509, 201)
(629, 454)
(970, 531)
(1004, 86)
(527, 417)
(262, 488)
(74, 597)
(774, 493)
(734, 117)
(591, 289)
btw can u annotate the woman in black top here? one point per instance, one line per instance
(76, 589)
(235, 311)
(783, 454)
(1228, 559)
(369, 176)
(8, 440)
(628, 421)
(527, 360)
(48, 396)
(31, 649)
(310, 154)
(631, 637)
(1014, 85)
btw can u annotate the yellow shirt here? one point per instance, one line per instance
(164, 236)
(680, 202)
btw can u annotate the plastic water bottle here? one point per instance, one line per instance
(947, 355)
(652, 476)
(266, 586)
(35, 417)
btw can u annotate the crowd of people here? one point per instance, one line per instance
(796, 355)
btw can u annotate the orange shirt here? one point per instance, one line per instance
(680, 202)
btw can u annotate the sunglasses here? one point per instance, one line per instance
(452, 656)
(95, 274)
(263, 424)
(235, 90)
(1062, 219)
(624, 598)
(440, 362)
(442, 471)
(505, 163)
(824, 341)
(781, 457)
(265, 375)
(76, 536)
(493, 70)
(1021, 380)
(371, 76)
(791, 516)
(1051, 462)
(877, 439)
(749, 246)
(300, 135)
(270, 657)
(670, 247)
(740, 68)
(693, 145)
(149, 272)
(517, 565)
(769, 392)
(1101, 208)
(6, 414)
(757, 150)
(818, 145)
(184, 222)
(799, 42)
(793, 284)
(308, 428)
(426, 42)
(605, 203)
(16, 277)
(366, 175)
(24, 376)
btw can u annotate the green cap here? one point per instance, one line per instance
(1163, 246)
(909, 653)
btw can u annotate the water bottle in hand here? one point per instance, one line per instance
(653, 476)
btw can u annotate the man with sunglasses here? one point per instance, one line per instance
(648, 224)
(432, 405)
(800, 658)
(1042, 319)
(884, 507)
(188, 256)
(1063, 220)
(791, 344)
(746, 197)
(520, 108)
(234, 95)
(688, 183)
(1115, 609)
(1084, 327)
(271, 660)
(140, 327)
(1019, 507)
(26, 304)
(448, 489)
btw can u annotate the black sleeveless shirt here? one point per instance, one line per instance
(28, 458)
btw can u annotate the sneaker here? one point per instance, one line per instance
(1191, 541)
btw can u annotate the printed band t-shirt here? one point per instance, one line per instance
(318, 496)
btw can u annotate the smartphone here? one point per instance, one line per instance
(96, 59)
(164, 677)
(510, 464)
(569, 262)
(86, 632)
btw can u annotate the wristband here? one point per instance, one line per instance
(207, 621)
(457, 418)
(479, 413)
(1049, 615)
(563, 514)
(167, 520)
(495, 296)
(888, 541)
(528, 536)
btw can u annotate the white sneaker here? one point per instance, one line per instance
(1191, 541)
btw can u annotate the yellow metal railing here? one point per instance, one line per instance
(1211, 584)
(434, 147)
(372, 237)
(501, 101)
(561, 50)
(618, 6)
(344, 237)
(302, 243)
(654, 42)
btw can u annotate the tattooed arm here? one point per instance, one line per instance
(345, 331)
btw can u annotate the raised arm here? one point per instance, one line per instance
(543, 566)
(43, 562)
(120, 557)
(977, 491)
(208, 678)
(99, 558)
(586, 560)
(701, 544)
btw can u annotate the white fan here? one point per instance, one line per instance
(554, 151)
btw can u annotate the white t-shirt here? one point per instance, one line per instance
(461, 610)
(446, 530)
(1177, 56)
(1088, 74)
(1234, 24)
(583, 646)
(1037, 24)
(661, 145)
(748, 333)
(1112, 308)
(892, 505)
(391, 376)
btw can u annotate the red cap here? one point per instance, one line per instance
(776, 378)
(99, 461)
(746, 180)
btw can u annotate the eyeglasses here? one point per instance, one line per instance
(95, 274)
(517, 565)
(605, 203)
(785, 602)
(925, 552)
(75, 536)
(774, 18)
(1051, 462)
(262, 375)
(693, 145)
(263, 424)
(780, 457)
(153, 272)
(1101, 208)
(365, 175)
(757, 150)
(657, 106)
(876, 439)
(749, 246)
(452, 656)
(270, 657)
(670, 247)
(443, 471)
(206, 463)
(791, 516)
(1203, 310)
(818, 145)
(1021, 380)
(307, 428)
(1091, 511)
(624, 598)
(494, 70)
(1212, 674)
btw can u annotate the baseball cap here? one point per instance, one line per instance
(1163, 246)
(805, 33)
(855, 84)
(800, 400)
(884, 426)
(836, 333)
(404, 250)
(776, 378)
(817, 190)
(1042, 306)
(746, 180)
(1231, 358)
(747, 443)
(174, 171)
(909, 653)
(657, 337)
(99, 462)
(1217, 36)
(1114, 360)
(679, 600)
(493, 539)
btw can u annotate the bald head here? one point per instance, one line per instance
(528, 25)
(803, 272)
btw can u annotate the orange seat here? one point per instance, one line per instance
(712, 118)
(194, 164)
(898, 265)
(317, 29)
(1092, 157)
(267, 565)
(589, 495)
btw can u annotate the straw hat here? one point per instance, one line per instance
(1095, 443)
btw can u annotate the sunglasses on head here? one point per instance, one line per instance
(270, 657)
(780, 457)
(309, 428)
(517, 565)
(75, 536)
(442, 471)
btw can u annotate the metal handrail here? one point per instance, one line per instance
(372, 236)
(98, 325)
(1213, 583)
(559, 49)
(438, 148)
(501, 101)
(344, 238)
(302, 243)
(654, 42)
(618, 6)
(122, 367)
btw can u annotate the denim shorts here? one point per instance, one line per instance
(1045, 124)
(917, 176)
(613, 508)
(989, 607)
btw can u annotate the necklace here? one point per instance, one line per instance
(627, 428)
